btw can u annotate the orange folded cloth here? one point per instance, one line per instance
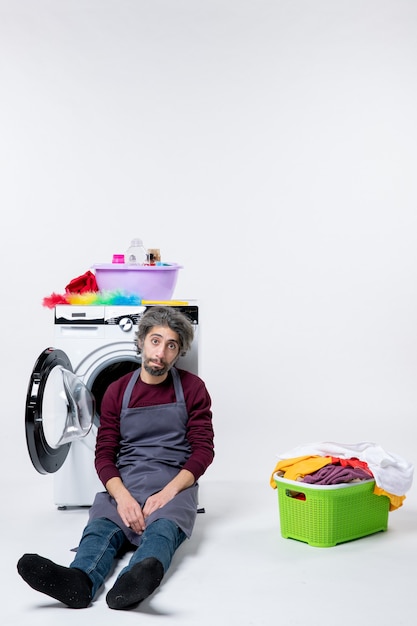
(298, 467)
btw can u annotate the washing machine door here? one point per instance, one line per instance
(59, 409)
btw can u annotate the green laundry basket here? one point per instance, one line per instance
(326, 515)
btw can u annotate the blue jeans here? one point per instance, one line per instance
(103, 541)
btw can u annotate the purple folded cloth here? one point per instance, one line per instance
(333, 474)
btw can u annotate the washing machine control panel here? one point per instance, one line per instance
(123, 316)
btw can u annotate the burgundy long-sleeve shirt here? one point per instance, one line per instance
(199, 426)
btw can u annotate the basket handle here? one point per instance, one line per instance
(297, 495)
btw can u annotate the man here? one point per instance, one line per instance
(154, 442)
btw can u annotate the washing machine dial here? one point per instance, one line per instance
(125, 324)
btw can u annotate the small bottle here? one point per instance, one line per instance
(136, 254)
(154, 256)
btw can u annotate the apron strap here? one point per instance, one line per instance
(129, 388)
(179, 393)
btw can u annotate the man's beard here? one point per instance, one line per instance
(156, 371)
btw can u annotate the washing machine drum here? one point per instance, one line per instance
(59, 409)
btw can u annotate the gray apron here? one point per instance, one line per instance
(153, 449)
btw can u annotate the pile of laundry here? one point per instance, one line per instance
(329, 463)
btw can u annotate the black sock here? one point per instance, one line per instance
(68, 585)
(136, 585)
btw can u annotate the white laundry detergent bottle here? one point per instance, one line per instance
(136, 254)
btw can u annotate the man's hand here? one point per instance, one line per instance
(182, 480)
(127, 507)
(131, 513)
(157, 501)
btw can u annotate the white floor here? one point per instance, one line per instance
(236, 569)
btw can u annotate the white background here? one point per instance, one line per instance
(269, 147)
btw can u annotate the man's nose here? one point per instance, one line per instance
(160, 352)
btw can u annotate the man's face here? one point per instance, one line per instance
(160, 350)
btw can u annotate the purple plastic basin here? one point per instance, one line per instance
(150, 282)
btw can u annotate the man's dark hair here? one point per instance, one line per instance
(167, 316)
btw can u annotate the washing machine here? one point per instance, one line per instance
(93, 346)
